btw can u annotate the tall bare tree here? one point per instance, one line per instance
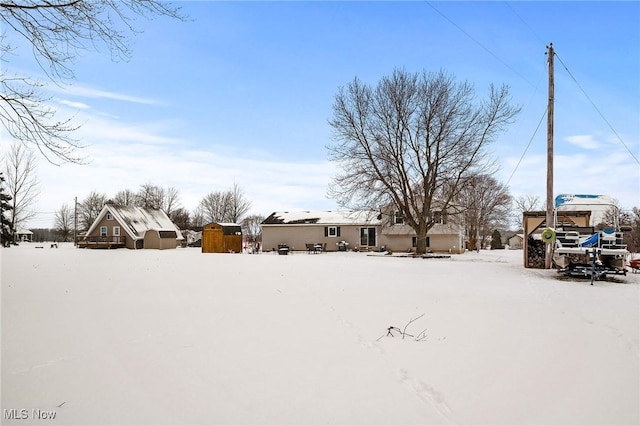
(150, 196)
(632, 237)
(56, 31)
(22, 183)
(171, 201)
(64, 221)
(153, 196)
(239, 205)
(224, 206)
(181, 218)
(215, 207)
(486, 204)
(252, 229)
(411, 142)
(197, 218)
(89, 209)
(125, 197)
(525, 203)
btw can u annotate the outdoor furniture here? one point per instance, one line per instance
(342, 245)
(310, 248)
(283, 249)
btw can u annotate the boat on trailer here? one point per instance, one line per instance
(583, 251)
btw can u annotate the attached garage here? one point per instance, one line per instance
(222, 238)
(160, 239)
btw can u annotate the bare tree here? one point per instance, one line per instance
(181, 218)
(153, 196)
(239, 205)
(150, 196)
(125, 197)
(252, 229)
(171, 201)
(411, 143)
(56, 31)
(197, 218)
(90, 208)
(486, 204)
(525, 203)
(22, 183)
(64, 222)
(632, 237)
(227, 206)
(215, 207)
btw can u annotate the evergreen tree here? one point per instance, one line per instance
(496, 240)
(6, 234)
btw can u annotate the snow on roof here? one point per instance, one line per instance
(323, 218)
(137, 220)
(23, 231)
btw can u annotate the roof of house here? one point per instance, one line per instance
(136, 221)
(309, 217)
(23, 231)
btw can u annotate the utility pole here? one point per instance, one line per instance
(550, 203)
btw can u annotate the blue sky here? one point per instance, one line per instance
(242, 93)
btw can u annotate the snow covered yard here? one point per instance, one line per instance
(180, 337)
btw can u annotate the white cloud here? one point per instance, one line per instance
(583, 141)
(73, 104)
(94, 93)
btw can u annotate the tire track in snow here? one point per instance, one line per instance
(428, 394)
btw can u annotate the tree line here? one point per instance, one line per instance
(229, 206)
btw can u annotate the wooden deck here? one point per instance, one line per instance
(102, 242)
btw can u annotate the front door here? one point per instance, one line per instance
(368, 237)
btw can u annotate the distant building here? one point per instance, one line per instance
(23, 235)
(361, 230)
(516, 241)
(131, 227)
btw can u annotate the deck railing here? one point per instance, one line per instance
(103, 241)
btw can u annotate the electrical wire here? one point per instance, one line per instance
(528, 145)
(597, 109)
(480, 44)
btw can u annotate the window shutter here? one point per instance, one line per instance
(326, 231)
(337, 231)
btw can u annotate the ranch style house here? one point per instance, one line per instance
(361, 230)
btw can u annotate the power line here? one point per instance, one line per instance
(597, 109)
(528, 145)
(480, 44)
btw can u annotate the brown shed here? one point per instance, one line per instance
(222, 238)
(534, 249)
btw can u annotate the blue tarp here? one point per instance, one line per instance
(591, 241)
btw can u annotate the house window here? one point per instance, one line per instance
(109, 216)
(398, 218)
(331, 231)
(103, 231)
(440, 217)
(368, 237)
(414, 242)
(116, 231)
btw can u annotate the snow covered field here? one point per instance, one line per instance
(178, 337)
